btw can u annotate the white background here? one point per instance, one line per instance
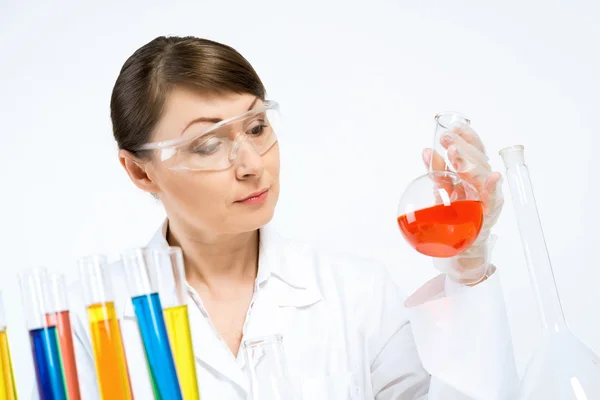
(358, 84)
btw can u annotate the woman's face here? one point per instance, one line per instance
(213, 203)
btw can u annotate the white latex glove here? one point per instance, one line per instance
(467, 154)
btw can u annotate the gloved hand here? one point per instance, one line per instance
(467, 154)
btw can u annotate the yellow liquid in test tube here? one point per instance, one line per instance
(8, 389)
(178, 329)
(109, 354)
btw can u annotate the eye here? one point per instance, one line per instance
(257, 128)
(207, 147)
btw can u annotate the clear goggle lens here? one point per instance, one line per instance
(218, 147)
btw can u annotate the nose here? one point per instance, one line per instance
(248, 162)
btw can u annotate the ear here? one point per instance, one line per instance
(138, 172)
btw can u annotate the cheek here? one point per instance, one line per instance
(272, 162)
(197, 191)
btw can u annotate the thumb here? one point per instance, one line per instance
(426, 157)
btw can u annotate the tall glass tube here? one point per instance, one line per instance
(562, 367)
(166, 264)
(109, 354)
(8, 388)
(532, 239)
(267, 370)
(44, 338)
(57, 314)
(148, 309)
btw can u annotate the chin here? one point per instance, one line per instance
(255, 220)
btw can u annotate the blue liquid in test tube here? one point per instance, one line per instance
(48, 365)
(153, 330)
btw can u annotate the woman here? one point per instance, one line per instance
(195, 129)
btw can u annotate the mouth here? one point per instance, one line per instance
(255, 198)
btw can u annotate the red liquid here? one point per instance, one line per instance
(65, 339)
(443, 231)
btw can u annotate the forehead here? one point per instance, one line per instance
(185, 105)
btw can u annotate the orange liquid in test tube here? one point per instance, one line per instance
(109, 354)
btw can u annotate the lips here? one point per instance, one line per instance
(253, 195)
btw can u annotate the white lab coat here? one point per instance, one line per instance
(345, 328)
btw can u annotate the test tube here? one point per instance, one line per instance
(109, 354)
(43, 337)
(57, 314)
(8, 389)
(166, 265)
(151, 322)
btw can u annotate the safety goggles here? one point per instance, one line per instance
(217, 147)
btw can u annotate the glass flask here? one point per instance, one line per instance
(267, 370)
(562, 367)
(440, 214)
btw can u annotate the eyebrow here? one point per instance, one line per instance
(213, 120)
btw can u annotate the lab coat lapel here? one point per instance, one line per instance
(289, 285)
(210, 350)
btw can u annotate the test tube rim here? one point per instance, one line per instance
(177, 270)
(100, 259)
(138, 278)
(169, 249)
(98, 263)
(516, 147)
(35, 310)
(54, 305)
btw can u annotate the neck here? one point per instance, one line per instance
(214, 260)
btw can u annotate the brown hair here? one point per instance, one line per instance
(148, 76)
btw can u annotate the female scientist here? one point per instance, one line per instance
(191, 119)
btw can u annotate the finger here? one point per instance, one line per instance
(453, 157)
(470, 170)
(469, 135)
(469, 151)
(492, 181)
(459, 162)
(490, 187)
(438, 161)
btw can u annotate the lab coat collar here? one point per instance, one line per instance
(276, 257)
